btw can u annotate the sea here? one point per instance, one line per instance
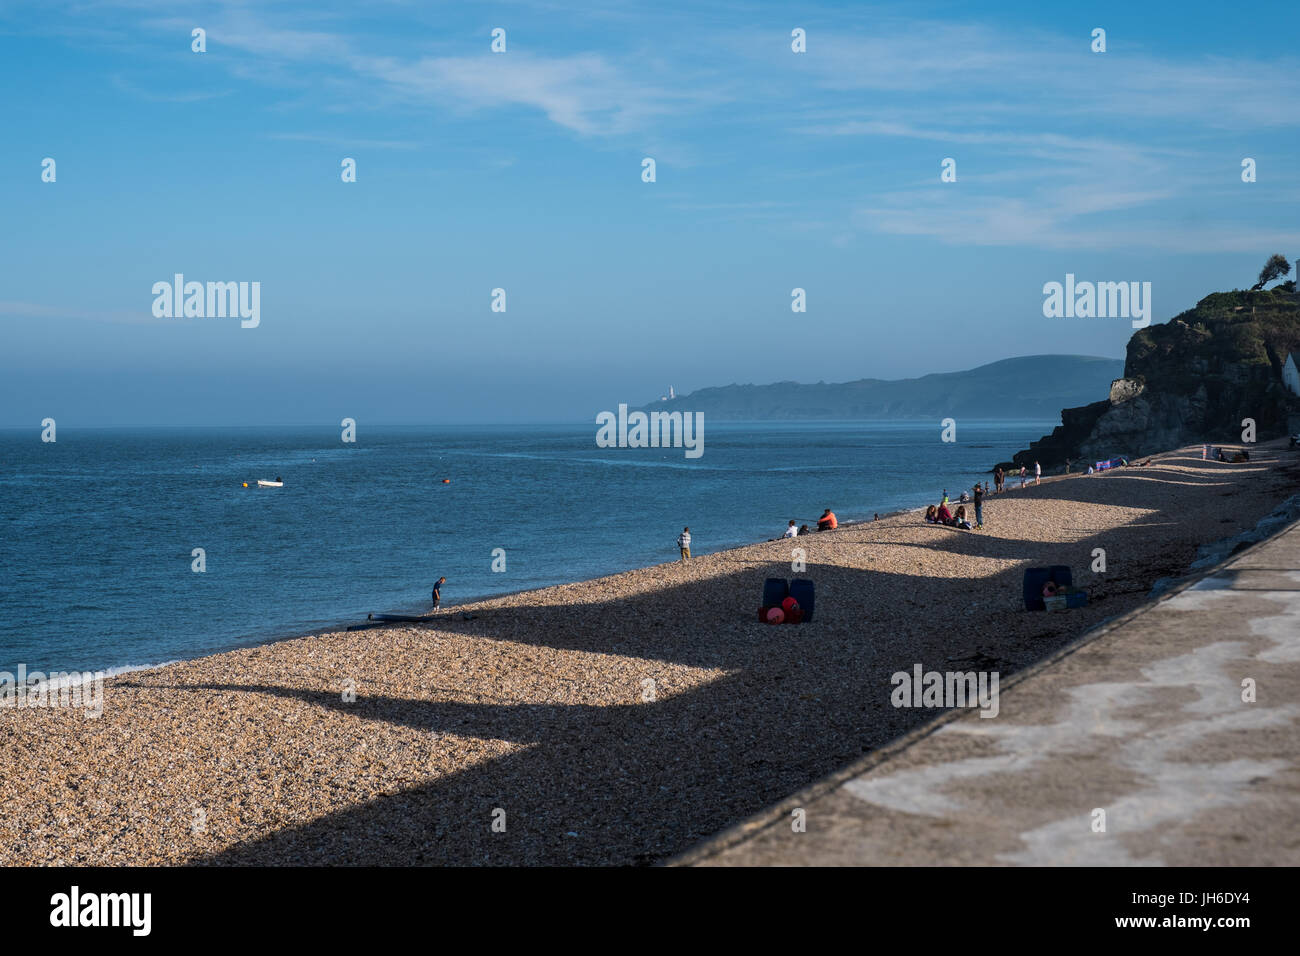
(124, 548)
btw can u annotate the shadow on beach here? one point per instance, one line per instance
(640, 782)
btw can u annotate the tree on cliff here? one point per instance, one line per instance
(1276, 267)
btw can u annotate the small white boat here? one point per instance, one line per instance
(263, 483)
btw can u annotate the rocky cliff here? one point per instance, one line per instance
(1192, 379)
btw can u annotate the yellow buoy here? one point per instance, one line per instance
(245, 484)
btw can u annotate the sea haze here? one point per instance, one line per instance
(97, 530)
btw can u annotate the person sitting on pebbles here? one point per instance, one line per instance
(827, 521)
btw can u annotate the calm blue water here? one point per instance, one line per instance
(97, 529)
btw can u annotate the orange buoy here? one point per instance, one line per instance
(446, 481)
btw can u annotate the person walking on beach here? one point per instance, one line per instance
(1038, 472)
(979, 506)
(684, 542)
(437, 592)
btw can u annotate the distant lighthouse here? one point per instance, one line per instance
(671, 393)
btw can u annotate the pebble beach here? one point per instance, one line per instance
(614, 721)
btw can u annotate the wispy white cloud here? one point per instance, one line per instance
(1069, 219)
(583, 92)
(1033, 75)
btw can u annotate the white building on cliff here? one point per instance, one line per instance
(1291, 373)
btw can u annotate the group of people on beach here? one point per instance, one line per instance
(1000, 477)
(827, 522)
(934, 514)
(940, 514)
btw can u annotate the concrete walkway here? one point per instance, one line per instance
(1143, 719)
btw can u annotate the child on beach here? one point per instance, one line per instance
(1022, 476)
(684, 543)
(791, 530)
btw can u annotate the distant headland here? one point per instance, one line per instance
(1028, 387)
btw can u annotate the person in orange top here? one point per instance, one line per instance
(827, 521)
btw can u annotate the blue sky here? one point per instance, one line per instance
(522, 170)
